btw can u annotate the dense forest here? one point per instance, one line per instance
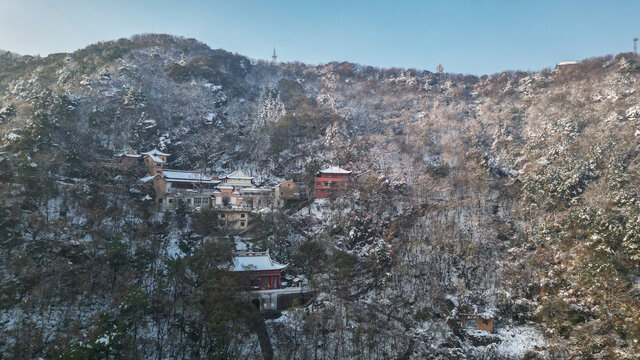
(515, 194)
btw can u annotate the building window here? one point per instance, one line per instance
(254, 284)
(241, 223)
(189, 201)
(325, 183)
(242, 215)
(170, 201)
(222, 216)
(196, 200)
(485, 322)
(160, 200)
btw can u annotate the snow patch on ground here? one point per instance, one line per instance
(516, 340)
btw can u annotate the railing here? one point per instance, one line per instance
(287, 290)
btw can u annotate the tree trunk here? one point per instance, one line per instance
(258, 325)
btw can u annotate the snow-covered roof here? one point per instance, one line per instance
(255, 261)
(187, 176)
(257, 190)
(129, 153)
(223, 187)
(487, 314)
(156, 152)
(148, 178)
(238, 174)
(565, 63)
(335, 170)
(155, 158)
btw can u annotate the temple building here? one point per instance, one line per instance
(128, 159)
(237, 179)
(226, 196)
(262, 272)
(331, 182)
(192, 187)
(155, 160)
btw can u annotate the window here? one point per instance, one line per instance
(318, 183)
(188, 201)
(485, 322)
(196, 200)
(222, 216)
(254, 284)
(160, 200)
(326, 183)
(170, 201)
(241, 223)
(242, 215)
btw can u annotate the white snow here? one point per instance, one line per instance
(516, 340)
(255, 261)
(335, 170)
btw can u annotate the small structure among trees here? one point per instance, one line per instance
(263, 280)
(263, 273)
(479, 321)
(128, 159)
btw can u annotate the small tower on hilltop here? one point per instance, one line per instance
(439, 69)
(274, 57)
(635, 46)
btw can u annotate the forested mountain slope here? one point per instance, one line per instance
(515, 193)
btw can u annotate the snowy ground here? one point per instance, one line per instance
(516, 340)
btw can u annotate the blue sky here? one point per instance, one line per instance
(474, 37)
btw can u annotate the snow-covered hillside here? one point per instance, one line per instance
(514, 194)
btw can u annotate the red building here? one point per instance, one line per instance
(262, 272)
(331, 181)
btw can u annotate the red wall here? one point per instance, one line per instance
(337, 184)
(272, 279)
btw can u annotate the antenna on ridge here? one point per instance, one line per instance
(635, 46)
(274, 57)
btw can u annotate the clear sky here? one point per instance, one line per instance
(474, 37)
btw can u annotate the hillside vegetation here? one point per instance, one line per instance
(515, 193)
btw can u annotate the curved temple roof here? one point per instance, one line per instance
(335, 170)
(255, 261)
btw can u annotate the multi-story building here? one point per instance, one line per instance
(331, 182)
(155, 160)
(237, 179)
(235, 218)
(192, 187)
(226, 196)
